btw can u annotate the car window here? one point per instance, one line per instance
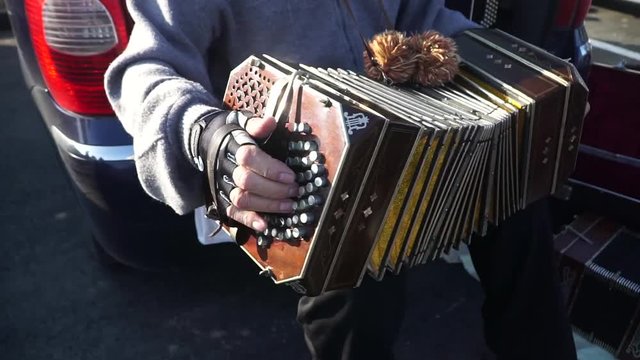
(615, 34)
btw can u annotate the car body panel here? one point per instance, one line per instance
(97, 154)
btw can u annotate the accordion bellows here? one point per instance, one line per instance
(393, 177)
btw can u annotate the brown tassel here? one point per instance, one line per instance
(439, 61)
(428, 59)
(391, 57)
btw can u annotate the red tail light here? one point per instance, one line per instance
(75, 41)
(571, 13)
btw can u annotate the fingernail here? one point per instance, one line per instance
(293, 192)
(286, 206)
(258, 225)
(286, 177)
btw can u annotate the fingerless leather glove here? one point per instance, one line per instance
(214, 141)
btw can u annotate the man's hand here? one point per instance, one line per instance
(263, 184)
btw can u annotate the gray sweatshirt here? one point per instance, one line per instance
(180, 53)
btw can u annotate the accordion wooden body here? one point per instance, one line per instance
(392, 177)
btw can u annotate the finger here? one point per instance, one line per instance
(256, 160)
(245, 200)
(249, 181)
(247, 218)
(260, 128)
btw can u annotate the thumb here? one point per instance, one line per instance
(260, 128)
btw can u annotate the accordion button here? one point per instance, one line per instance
(310, 187)
(308, 175)
(295, 145)
(300, 177)
(304, 128)
(320, 182)
(298, 233)
(315, 156)
(310, 146)
(288, 234)
(295, 219)
(301, 191)
(289, 222)
(314, 200)
(306, 218)
(303, 205)
(317, 169)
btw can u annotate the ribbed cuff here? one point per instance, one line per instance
(191, 116)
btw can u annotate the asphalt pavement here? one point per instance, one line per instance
(58, 302)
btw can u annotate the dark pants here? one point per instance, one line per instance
(523, 313)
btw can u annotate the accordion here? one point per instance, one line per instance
(392, 177)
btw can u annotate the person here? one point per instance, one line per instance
(166, 89)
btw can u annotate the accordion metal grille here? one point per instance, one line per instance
(490, 15)
(249, 91)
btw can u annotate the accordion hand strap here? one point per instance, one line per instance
(284, 98)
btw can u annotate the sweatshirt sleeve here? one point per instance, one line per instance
(420, 15)
(159, 86)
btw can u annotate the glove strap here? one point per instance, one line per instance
(220, 157)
